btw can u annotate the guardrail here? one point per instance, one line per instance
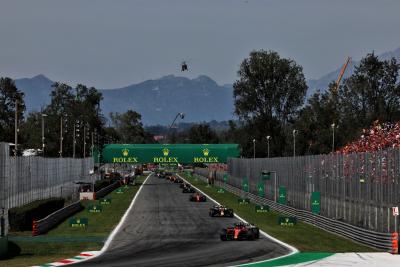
(370, 238)
(44, 225)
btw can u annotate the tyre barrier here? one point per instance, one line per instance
(44, 225)
(381, 241)
(108, 189)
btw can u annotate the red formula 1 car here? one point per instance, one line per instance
(197, 197)
(240, 231)
(220, 211)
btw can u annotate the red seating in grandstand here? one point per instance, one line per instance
(380, 136)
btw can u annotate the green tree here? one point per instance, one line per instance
(267, 96)
(9, 96)
(130, 128)
(371, 93)
(202, 134)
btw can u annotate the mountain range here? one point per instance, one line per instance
(159, 100)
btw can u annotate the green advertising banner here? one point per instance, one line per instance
(265, 175)
(95, 208)
(261, 189)
(316, 202)
(243, 201)
(226, 178)
(282, 195)
(120, 191)
(245, 184)
(105, 201)
(287, 221)
(262, 208)
(78, 222)
(169, 153)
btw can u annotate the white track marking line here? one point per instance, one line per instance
(292, 249)
(121, 222)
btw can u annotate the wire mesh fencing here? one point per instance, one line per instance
(359, 188)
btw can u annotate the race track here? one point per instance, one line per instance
(165, 229)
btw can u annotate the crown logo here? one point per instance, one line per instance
(287, 220)
(206, 152)
(165, 152)
(78, 221)
(125, 152)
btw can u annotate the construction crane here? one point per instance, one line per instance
(342, 70)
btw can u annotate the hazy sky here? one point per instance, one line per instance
(114, 43)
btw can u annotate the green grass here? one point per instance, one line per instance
(304, 237)
(64, 241)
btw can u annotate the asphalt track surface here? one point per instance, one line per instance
(165, 229)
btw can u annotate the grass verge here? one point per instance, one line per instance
(65, 241)
(304, 237)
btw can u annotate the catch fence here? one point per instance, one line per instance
(359, 188)
(26, 179)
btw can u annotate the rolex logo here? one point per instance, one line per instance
(125, 152)
(165, 152)
(206, 152)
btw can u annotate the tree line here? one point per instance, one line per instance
(270, 106)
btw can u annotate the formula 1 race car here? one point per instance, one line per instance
(188, 189)
(182, 185)
(240, 231)
(220, 211)
(197, 197)
(178, 180)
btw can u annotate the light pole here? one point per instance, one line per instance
(62, 133)
(43, 144)
(268, 138)
(295, 132)
(16, 129)
(182, 116)
(333, 126)
(254, 148)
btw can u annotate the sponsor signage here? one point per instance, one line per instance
(245, 184)
(287, 221)
(316, 202)
(282, 195)
(95, 208)
(120, 191)
(262, 208)
(167, 154)
(220, 190)
(261, 189)
(243, 201)
(78, 222)
(265, 175)
(395, 211)
(226, 178)
(105, 201)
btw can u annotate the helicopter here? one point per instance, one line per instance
(184, 66)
